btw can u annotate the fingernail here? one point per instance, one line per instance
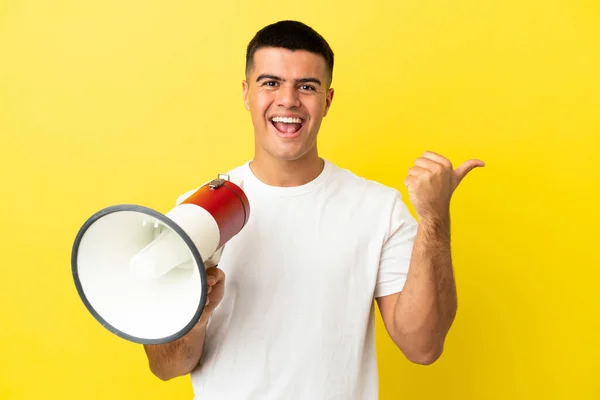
(211, 280)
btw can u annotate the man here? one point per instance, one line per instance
(290, 312)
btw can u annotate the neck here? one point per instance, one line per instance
(287, 173)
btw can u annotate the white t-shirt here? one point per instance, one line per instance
(297, 318)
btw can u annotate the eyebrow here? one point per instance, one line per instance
(276, 78)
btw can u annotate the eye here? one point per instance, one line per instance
(270, 83)
(307, 87)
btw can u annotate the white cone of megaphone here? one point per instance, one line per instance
(142, 274)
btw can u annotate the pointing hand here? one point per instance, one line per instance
(432, 181)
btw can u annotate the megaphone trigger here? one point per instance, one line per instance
(214, 260)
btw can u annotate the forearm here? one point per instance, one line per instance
(179, 357)
(426, 308)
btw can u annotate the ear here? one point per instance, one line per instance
(245, 91)
(328, 100)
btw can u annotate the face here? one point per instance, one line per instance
(287, 95)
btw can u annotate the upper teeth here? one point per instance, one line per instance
(287, 120)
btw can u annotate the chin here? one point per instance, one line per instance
(275, 151)
(285, 147)
(288, 156)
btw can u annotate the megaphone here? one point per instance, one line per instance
(142, 274)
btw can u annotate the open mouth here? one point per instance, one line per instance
(287, 126)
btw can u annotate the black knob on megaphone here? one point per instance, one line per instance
(142, 274)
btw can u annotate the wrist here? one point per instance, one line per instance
(434, 218)
(435, 224)
(202, 323)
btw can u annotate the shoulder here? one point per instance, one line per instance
(374, 207)
(353, 185)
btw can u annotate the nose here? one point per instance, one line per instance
(287, 97)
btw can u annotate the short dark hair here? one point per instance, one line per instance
(291, 35)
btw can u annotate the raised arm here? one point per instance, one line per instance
(419, 318)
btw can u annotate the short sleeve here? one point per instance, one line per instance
(397, 249)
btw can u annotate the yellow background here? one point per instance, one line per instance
(137, 101)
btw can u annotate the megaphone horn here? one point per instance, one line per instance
(142, 274)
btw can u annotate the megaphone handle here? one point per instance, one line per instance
(213, 261)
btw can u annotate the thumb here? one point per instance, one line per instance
(465, 168)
